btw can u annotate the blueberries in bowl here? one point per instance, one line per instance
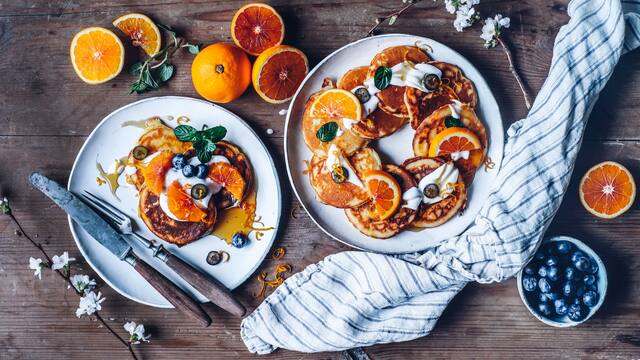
(564, 283)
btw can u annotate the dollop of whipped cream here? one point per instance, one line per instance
(336, 158)
(445, 177)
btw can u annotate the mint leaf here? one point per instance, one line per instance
(185, 133)
(450, 121)
(215, 133)
(327, 132)
(382, 77)
(165, 72)
(204, 150)
(193, 49)
(136, 69)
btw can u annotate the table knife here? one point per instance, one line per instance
(100, 230)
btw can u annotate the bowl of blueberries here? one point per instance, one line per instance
(564, 284)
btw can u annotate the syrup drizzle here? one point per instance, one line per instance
(242, 219)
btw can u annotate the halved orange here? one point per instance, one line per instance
(385, 192)
(257, 27)
(97, 55)
(229, 177)
(142, 31)
(182, 205)
(607, 190)
(154, 172)
(278, 72)
(336, 104)
(453, 139)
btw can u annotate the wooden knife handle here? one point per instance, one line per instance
(208, 286)
(178, 298)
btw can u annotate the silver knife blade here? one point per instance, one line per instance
(83, 215)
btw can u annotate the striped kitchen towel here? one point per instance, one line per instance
(355, 299)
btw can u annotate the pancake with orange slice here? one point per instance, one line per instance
(236, 185)
(348, 191)
(366, 217)
(472, 138)
(378, 124)
(453, 86)
(332, 105)
(392, 98)
(432, 215)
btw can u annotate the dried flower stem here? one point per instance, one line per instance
(514, 71)
(381, 20)
(68, 280)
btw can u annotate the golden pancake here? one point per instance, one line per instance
(362, 218)
(346, 194)
(392, 98)
(378, 124)
(435, 123)
(168, 229)
(454, 86)
(432, 215)
(237, 158)
(348, 142)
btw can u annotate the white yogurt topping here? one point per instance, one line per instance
(457, 155)
(413, 197)
(348, 123)
(456, 108)
(445, 176)
(336, 158)
(373, 101)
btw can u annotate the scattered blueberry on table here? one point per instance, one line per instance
(561, 282)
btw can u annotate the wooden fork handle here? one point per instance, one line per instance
(178, 298)
(207, 286)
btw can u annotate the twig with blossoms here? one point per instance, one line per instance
(90, 302)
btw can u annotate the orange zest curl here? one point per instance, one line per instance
(338, 172)
(278, 278)
(278, 253)
(488, 164)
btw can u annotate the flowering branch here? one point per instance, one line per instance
(514, 71)
(81, 284)
(392, 17)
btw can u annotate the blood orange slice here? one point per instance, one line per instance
(229, 177)
(385, 193)
(257, 27)
(453, 139)
(278, 72)
(154, 172)
(182, 205)
(607, 190)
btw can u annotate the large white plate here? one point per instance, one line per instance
(110, 141)
(395, 148)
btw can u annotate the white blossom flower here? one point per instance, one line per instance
(136, 332)
(466, 16)
(61, 262)
(453, 5)
(82, 282)
(5, 209)
(36, 265)
(90, 303)
(493, 28)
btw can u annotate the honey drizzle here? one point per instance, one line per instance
(112, 177)
(242, 219)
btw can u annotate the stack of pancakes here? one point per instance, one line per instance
(426, 112)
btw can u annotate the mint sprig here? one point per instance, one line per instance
(382, 77)
(204, 141)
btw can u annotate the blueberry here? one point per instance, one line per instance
(590, 298)
(580, 291)
(202, 170)
(561, 307)
(540, 255)
(178, 161)
(582, 264)
(594, 268)
(188, 170)
(544, 285)
(529, 283)
(577, 254)
(577, 300)
(570, 273)
(542, 297)
(589, 279)
(568, 288)
(239, 240)
(529, 270)
(577, 312)
(563, 247)
(553, 273)
(543, 271)
(544, 309)
(553, 296)
(552, 261)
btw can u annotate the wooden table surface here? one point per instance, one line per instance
(46, 113)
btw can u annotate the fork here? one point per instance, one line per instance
(206, 285)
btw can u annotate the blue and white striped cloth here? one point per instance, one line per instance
(354, 299)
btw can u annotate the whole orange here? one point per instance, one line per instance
(221, 72)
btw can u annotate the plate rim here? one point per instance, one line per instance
(295, 98)
(182, 98)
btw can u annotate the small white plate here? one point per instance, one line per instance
(395, 148)
(110, 141)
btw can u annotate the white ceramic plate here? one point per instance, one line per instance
(395, 148)
(110, 141)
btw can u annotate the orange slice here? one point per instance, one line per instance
(142, 31)
(453, 139)
(182, 205)
(607, 190)
(278, 72)
(336, 104)
(97, 55)
(154, 172)
(257, 27)
(385, 192)
(229, 177)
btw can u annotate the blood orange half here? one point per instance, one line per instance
(385, 193)
(607, 190)
(257, 27)
(278, 72)
(454, 139)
